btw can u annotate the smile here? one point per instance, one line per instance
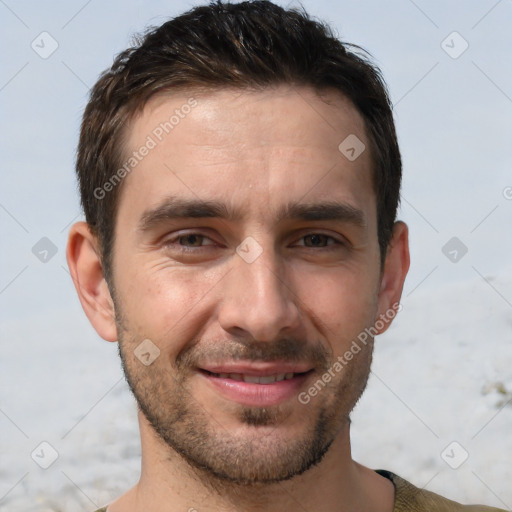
(257, 388)
(254, 379)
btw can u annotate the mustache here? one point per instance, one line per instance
(284, 349)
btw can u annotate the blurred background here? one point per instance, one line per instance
(437, 410)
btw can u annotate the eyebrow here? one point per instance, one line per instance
(328, 210)
(178, 208)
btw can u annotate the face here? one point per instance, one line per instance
(246, 252)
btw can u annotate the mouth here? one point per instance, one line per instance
(255, 379)
(261, 385)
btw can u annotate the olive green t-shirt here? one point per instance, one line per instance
(409, 498)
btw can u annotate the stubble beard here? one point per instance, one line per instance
(255, 455)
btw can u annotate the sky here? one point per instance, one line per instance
(448, 68)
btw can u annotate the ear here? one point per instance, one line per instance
(84, 263)
(393, 275)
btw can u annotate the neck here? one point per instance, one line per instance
(168, 483)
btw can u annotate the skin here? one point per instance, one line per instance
(180, 283)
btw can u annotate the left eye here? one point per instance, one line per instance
(193, 240)
(318, 240)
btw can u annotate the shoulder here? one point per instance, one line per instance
(409, 498)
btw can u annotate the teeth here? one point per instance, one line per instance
(253, 379)
(267, 379)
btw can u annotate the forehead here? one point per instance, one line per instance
(283, 114)
(260, 148)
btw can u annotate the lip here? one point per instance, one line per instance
(256, 394)
(259, 369)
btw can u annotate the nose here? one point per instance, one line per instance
(258, 299)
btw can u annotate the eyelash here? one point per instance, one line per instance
(175, 241)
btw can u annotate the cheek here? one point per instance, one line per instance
(170, 306)
(341, 303)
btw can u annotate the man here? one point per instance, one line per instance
(240, 176)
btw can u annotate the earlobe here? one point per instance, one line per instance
(87, 273)
(395, 270)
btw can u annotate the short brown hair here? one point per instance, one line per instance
(246, 45)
